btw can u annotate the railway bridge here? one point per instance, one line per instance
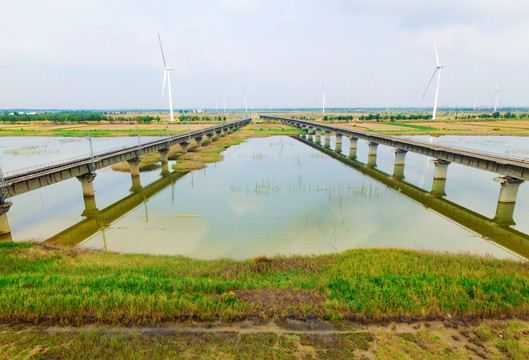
(84, 168)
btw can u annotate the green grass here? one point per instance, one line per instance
(44, 285)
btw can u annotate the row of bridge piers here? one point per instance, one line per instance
(508, 185)
(87, 179)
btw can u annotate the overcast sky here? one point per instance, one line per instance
(104, 53)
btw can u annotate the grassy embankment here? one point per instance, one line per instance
(75, 287)
(41, 285)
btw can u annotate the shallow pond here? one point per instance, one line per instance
(270, 196)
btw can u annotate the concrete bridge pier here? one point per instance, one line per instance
(90, 207)
(134, 166)
(165, 170)
(219, 134)
(338, 147)
(318, 136)
(224, 132)
(136, 184)
(509, 189)
(327, 143)
(163, 155)
(398, 168)
(438, 187)
(439, 178)
(507, 200)
(4, 224)
(198, 140)
(353, 143)
(210, 138)
(372, 154)
(504, 214)
(87, 183)
(183, 148)
(311, 130)
(441, 168)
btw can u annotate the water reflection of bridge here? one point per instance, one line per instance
(496, 229)
(97, 220)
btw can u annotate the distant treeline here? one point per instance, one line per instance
(201, 118)
(77, 116)
(393, 117)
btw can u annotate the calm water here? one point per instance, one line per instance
(268, 196)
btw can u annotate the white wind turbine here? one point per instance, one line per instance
(438, 69)
(497, 95)
(167, 76)
(323, 98)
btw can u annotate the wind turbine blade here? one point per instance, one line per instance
(164, 79)
(429, 82)
(436, 55)
(161, 48)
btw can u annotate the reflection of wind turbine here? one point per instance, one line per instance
(438, 69)
(497, 95)
(167, 75)
(323, 98)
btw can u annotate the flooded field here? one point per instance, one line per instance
(270, 196)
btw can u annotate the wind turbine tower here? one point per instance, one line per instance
(438, 69)
(167, 76)
(497, 95)
(245, 100)
(323, 98)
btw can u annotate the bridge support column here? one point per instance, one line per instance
(224, 132)
(318, 136)
(210, 137)
(398, 168)
(338, 147)
(509, 189)
(507, 200)
(165, 170)
(353, 143)
(163, 155)
(136, 184)
(372, 154)
(441, 168)
(327, 143)
(198, 140)
(183, 148)
(4, 224)
(134, 166)
(311, 130)
(90, 207)
(438, 187)
(87, 183)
